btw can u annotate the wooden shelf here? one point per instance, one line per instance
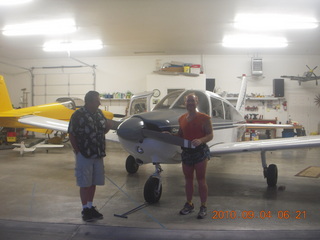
(256, 98)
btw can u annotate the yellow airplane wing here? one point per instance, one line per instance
(53, 116)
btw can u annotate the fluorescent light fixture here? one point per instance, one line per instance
(51, 27)
(69, 46)
(13, 2)
(254, 41)
(265, 22)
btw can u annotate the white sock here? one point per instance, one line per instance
(89, 204)
(84, 206)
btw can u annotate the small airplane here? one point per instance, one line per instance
(307, 76)
(45, 114)
(141, 135)
(22, 148)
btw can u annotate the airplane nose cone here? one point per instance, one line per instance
(130, 129)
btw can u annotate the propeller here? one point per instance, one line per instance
(134, 129)
(312, 70)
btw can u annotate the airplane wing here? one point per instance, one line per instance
(292, 77)
(302, 79)
(44, 122)
(265, 145)
(53, 124)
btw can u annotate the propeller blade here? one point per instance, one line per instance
(167, 138)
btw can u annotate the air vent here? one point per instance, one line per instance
(256, 66)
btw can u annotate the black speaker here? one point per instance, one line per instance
(210, 84)
(278, 87)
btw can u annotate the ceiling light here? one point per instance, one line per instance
(50, 27)
(264, 22)
(254, 41)
(13, 2)
(69, 46)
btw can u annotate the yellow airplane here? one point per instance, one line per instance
(53, 116)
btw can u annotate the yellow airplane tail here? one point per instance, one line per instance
(5, 103)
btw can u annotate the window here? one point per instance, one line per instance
(167, 101)
(217, 108)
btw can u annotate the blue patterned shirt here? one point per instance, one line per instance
(89, 131)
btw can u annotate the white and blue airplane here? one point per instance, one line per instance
(141, 135)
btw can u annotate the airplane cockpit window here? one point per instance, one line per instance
(69, 104)
(228, 110)
(217, 108)
(203, 105)
(138, 105)
(79, 102)
(76, 102)
(167, 101)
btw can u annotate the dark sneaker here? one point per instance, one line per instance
(87, 215)
(202, 213)
(187, 209)
(95, 214)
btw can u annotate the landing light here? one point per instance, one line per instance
(140, 150)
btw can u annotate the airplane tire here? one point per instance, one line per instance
(131, 165)
(272, 175)
(151, 192)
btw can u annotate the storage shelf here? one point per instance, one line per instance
(257, 98)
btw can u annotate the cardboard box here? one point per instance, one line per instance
(172, 69)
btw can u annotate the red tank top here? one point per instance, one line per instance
(195, 128)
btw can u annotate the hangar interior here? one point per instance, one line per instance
(141, 38)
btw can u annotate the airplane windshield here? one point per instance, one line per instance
(175, 100)
(168, 100)
(138, 105)
(69, 104)
(76, 102)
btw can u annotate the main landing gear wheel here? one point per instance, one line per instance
(131, 165)
(272, 175)
(152, 190)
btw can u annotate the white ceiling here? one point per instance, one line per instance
(142, 27)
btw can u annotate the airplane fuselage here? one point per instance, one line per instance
(164, 118)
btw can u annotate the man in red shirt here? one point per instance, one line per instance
(196, 127)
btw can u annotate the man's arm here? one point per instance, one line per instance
(108, 126)
(73, 142)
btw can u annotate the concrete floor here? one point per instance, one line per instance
(40, 199)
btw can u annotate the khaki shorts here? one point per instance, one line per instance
(89, 171)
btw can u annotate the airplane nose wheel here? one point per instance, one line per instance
(152, 190)
(153, 186)
(131, 165)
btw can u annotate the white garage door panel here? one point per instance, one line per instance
(39, 90)
(53, 84)
(57, 90)
(57, 79)
(81, 79)
(80, 91)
